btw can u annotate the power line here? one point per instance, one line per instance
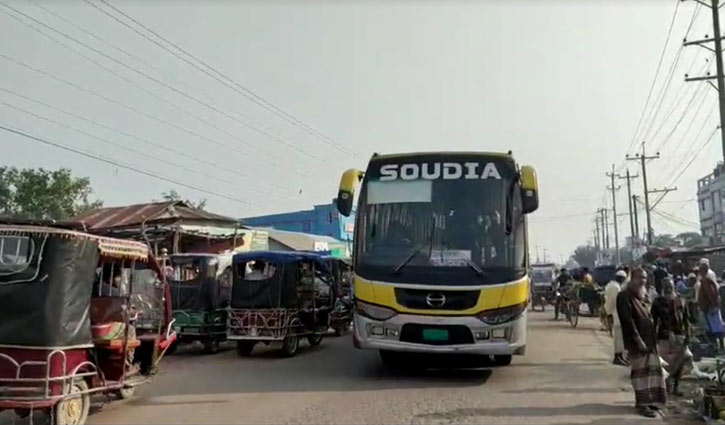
(131, 108)
(697, 153)
(238, 173)
(659, 99)
(156, 80)
(684, 139)
(215, 74)
(698, 92)
(127, 148)
(654, 80)
(680, 95)
(138, 59)
(122, 165)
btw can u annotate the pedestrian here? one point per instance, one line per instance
(673, 333)
(705, 270)
(638, 333)
(610, 307)
(659, 274)
(708, 300)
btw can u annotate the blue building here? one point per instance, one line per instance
(323, 220)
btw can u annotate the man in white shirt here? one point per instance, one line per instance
(610, 306)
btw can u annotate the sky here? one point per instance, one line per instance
(315, 88)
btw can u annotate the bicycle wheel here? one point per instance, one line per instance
(573, 315)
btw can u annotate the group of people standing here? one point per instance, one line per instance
(651, 316)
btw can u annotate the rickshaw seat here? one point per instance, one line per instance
(117, 344)
(107, 309)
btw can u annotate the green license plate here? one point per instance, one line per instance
(435, 334)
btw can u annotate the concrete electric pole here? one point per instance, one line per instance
(719, 76)
(614, 189)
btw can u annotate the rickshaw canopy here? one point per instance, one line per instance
(46, 281)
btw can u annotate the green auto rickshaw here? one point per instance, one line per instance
(200, 286)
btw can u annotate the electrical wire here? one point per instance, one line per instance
(694, 157)
(122, 165)
(219, 76)
(676, 151)
(166, 74)
(128, 107)
(654, 80)
(237, 172)
(160, 82)
(130, 149)
(680, 95)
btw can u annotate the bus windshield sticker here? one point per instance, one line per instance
(394, 192)
(450, 257)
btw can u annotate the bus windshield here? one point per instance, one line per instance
(438, 223)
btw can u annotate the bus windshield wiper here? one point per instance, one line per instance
(410, 256)
(470, 263)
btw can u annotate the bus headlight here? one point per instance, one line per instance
(374, 312)
(502, 315)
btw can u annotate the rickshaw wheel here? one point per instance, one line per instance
(172, 348)
(74, 409)
(290, 345)
(126, 392)
(211, 346)
(342, 328)
(244, 348)
(314, 339)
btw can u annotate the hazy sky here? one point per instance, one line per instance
(560, 83)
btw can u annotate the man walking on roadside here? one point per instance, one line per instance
(610, 307)
(638, 333)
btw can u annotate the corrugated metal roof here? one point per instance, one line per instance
(299, 241)
(135, 215)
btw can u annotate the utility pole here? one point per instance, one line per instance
(606, 228)
(636, 220)
(614, 189)
(643, 158)
(596, 223)
(603, 244)
(720, 77)
(629, 178)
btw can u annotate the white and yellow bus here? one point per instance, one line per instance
(440, 253)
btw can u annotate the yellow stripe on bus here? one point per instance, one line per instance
(498, 296)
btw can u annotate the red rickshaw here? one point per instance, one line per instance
(81, 315)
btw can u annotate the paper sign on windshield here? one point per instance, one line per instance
(450, 257)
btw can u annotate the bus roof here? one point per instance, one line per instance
(443, 153)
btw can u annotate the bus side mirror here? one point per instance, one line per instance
(346, 192)
(529, 189)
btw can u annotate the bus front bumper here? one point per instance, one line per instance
(505, 339)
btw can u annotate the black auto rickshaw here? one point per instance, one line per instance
(200, 286)
(341, 315)
(71, 324)
(279, 297)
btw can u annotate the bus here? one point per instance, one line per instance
(440, 253)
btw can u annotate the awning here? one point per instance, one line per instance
(211, 231)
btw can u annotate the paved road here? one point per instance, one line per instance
(565, 378)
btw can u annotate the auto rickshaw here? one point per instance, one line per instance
(72, 321)
(341, 314)
(279, 297)
(200, 286)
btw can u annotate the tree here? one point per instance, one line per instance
(173, 195)
(666, 241)
(691, 239)
(585, 255)
(43, 194)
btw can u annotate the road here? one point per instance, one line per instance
(565, 378)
